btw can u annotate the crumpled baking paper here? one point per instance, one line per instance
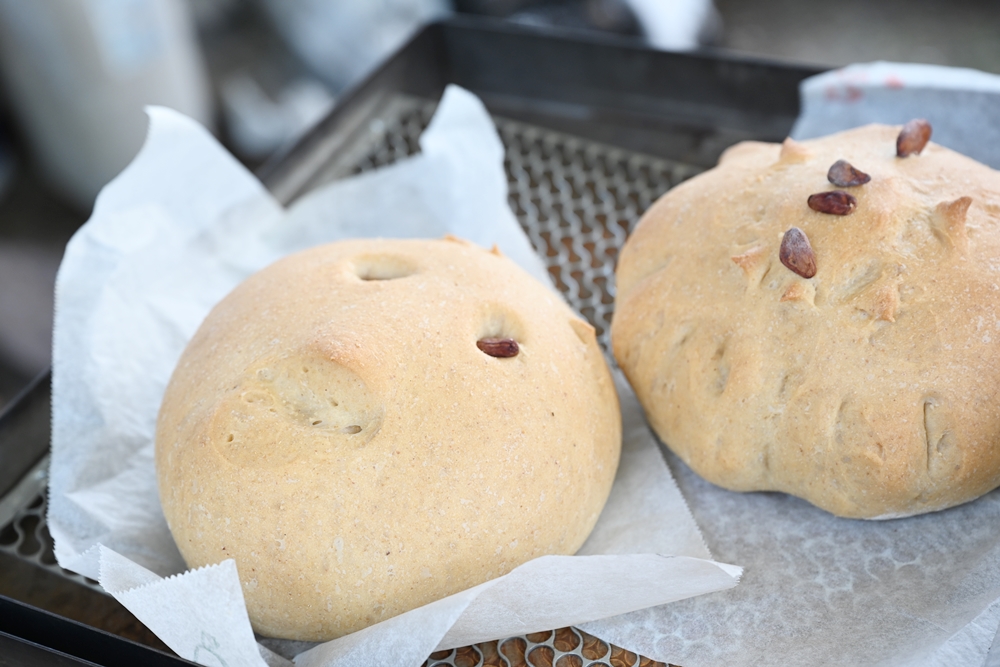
(819, 590)
(174, 233)
(962, 105)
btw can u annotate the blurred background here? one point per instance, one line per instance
(75, 75)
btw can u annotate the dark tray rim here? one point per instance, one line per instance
(727, 84)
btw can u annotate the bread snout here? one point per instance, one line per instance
(335, 428)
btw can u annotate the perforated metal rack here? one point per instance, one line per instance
(26, 536)
(565, 647)
(576, 199)
(24, 431)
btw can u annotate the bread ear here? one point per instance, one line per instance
(793, 152)
(583, 330)
(948, 223)
(754, 263)
(455, 239)
(887, 302)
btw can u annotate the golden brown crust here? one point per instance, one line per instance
(871, 389)
(334, 428)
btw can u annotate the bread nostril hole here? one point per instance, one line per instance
(383, 267)
(502, 348)
(329, 404)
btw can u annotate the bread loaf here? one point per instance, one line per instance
(823, 318)
(368, 426)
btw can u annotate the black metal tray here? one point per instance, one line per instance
(594, 128)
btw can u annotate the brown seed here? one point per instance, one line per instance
(797, 254)
(834, 202)
(844, 175)
(913, 137)
(499, 347)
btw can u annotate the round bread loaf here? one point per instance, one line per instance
(854, 362)
(368, 426)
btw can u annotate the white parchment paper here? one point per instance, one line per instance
(178, 229)
(819, 590)
(962, 105)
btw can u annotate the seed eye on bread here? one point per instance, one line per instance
(834, 202)
(797, 254)
(501, 348)
(844, 175)
(913, 137)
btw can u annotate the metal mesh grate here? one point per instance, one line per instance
(27, 537)
(577, 200)
(565, 647)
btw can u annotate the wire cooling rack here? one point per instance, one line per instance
(577, 200)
